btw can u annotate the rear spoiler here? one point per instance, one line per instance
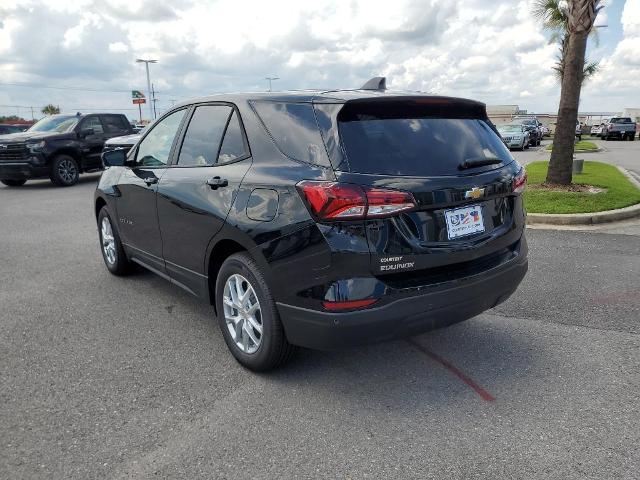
(421, 106)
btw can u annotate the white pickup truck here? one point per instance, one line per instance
(619, 127)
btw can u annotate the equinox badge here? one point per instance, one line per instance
(474, 193)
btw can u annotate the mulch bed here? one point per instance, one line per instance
(574, 187)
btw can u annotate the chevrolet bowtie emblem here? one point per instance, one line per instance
(474, 193)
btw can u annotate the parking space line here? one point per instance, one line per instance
(486, 396)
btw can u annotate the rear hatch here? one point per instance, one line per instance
(448, 156)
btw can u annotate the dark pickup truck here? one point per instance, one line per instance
(59, 147)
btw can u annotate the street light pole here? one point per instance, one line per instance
(270, 79)
(149, 101)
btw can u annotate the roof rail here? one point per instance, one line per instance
(376, 83)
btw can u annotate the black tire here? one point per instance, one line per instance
(13, 183)
(121, 264)
(64, 171)
(273, 349)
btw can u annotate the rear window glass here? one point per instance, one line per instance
(294, 130)
(621, 120)
(418, 146)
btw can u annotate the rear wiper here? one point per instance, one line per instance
(479, 162)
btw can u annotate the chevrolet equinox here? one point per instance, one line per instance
(320, 219)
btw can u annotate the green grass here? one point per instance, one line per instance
(581, 145)
(620, 192)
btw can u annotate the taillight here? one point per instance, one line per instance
(346, 201)
(520, 181)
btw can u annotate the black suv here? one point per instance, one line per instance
(322, 219)
(533, 126)
(59, 147)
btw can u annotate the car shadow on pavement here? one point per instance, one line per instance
(394, 375)
(400, 375)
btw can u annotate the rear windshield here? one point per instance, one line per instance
(418, 146)
(621, 120)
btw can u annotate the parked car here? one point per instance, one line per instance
(533, 127)
(515, 135)
(545, 131)
(59, 147)
(5, 129)
(596, 130)
(619, 127)
(313, 219)
(125, 142)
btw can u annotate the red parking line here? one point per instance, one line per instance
(631, 296)
(486, 396)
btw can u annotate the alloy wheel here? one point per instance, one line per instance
(67, 170)
(242, 313)
(108, 241)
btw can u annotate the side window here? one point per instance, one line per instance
(155, 148)
(114, 124)
(233, 144)
(202, 140)
(93, 123)
(294, 130)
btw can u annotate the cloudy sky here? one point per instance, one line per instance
(80, 54)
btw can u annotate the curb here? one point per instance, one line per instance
(588, 218)
(581, 151)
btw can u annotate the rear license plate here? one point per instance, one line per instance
(464, 221)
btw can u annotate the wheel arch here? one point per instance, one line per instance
(224, 245)
(100, 203)
(72, 152)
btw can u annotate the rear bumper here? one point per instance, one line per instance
(22, 170)
(442, 305)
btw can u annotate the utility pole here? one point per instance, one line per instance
(153, 99)
(270, 79)
(32, 115)
(146, 63)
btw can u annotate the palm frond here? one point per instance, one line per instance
(590, 69)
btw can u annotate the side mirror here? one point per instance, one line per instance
(114, 158)
(85, 132)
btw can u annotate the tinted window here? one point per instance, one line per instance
(115, 124)
(621, 120)
(202, 140)
(417, 146)
(93, 123)
(233, 143)
(155, 149)
(294, 130)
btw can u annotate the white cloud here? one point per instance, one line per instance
(118, 47)
(491, 50)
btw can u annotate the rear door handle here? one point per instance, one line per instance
(150, 181)
(217, 182)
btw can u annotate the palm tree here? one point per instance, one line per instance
(554, 18)
(50, 109)
(576, 17)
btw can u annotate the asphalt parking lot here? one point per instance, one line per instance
(104, 377)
